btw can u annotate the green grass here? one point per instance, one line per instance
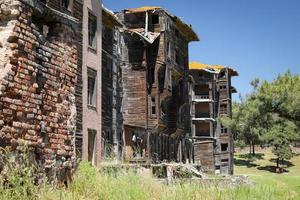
(261, 169)
(89, 183)
(264, 163)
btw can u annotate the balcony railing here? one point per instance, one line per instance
(202, 115)
(201, 96)
(223, 79)
(202, 134)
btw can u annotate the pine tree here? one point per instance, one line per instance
(270, 115)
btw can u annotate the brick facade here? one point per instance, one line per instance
(39, 66)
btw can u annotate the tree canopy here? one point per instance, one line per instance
(269, 115)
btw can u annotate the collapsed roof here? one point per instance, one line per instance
(184, 28)
(149, 36)
(215, 69)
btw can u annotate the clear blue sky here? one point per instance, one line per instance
(259, 38)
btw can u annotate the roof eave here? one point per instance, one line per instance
(110, 14)
(185, 29)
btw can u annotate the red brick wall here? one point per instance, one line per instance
(38, 87)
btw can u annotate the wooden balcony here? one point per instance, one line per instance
(202, 115)
(201, 97)
(203, 134)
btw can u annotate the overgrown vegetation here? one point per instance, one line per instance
(269, 116)
(90, 183)
(18, 178)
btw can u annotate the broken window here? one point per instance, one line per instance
(223, 129)
(224, 147)
(92, 146)
(92, 75)
(153, 107)
(222, 74)
(155, 19)
(92, 27)
(65, 4)
(107, 139)
(223, 87)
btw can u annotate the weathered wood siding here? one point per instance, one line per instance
(204, 155)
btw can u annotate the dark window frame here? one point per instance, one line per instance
(153, 107)
(66, 4)
(224, 147)
(91, 88)
(224, 160)
(223, 129)
(92, 30)
(92, 149)
(155, 19)
(223, 87)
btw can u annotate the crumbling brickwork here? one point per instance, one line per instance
(39, 65)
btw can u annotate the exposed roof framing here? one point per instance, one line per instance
(184, 28)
